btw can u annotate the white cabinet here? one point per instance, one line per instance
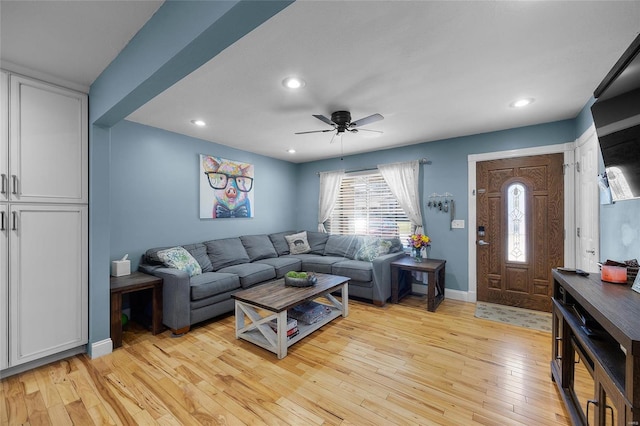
(4, 286)
(4, 136)
(47, 143)
(47, 289)
(44, 227)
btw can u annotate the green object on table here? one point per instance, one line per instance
(125, 320)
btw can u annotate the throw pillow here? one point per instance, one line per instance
(298, 243)
(372, 247)
(181, 259)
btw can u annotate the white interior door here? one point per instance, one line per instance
(48, 280)
(587, 202)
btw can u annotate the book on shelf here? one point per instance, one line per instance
(292, 324)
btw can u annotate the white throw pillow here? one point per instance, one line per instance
(179, 258)
(298, 243)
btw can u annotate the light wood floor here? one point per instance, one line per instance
(380, 366)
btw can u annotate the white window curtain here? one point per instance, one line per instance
(329, 188)
(403, 179)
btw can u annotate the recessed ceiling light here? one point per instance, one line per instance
(291, 151)
(198, 123)
(521, 103)
(293, 83)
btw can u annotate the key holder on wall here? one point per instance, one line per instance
(441, 202)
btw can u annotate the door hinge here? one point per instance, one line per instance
(578, 232)
(578, 166)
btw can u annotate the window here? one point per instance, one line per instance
(365, 206)
(516, 223)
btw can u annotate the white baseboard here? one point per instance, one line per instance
(101, 348)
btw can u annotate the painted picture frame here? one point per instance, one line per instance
(226, 188)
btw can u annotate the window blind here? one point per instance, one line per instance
(365, 206)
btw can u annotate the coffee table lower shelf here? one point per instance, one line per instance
(258, 331)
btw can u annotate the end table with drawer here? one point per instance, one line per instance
(435, 268)
(136, 281)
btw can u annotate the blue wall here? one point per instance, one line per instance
(155, 191)
(448, 172)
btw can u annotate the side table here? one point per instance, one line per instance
(435, 268)
(136, 281)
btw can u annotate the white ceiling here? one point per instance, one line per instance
(434, 70)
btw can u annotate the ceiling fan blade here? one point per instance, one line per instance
(369, 130)
(367, 120)
(313, 131)
(325, 119)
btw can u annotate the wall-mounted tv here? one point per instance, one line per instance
(616, 114)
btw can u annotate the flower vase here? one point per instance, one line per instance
(417, 255)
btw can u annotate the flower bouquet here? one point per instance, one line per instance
(417, 242)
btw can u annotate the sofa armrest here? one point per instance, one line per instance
(176, 295)
(382, 276)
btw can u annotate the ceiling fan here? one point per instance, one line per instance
(341, 122)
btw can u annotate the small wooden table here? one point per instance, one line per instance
(266, 302)
(128, 284)
(435, 268)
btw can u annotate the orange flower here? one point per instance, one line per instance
(419, 241)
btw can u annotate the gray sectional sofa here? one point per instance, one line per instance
(231, 264)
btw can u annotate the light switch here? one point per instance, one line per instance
(457, 224)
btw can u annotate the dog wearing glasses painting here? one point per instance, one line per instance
(231, 183)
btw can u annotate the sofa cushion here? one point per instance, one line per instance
(258, 247)
(342, 245)
(315, 262)
(298, 243)
(226, 252)
(357, 270)
(371, 248)
(199, 253)
(282, 265)
(180, 259)
(317, 241)
(151, 255)
(251, 273)
(212, 283)
(280, 243)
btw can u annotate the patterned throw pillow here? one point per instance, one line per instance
(371, 248)
(179, 258)
(298, 243)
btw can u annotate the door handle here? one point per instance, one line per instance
(592, 251)
(14, 215)
(3, 190)
(2, 228)
(14, 181)
(483, 243)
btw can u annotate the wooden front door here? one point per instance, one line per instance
(520, 210)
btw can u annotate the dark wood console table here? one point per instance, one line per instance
(596, 334)
(435, 268)
(136, 281)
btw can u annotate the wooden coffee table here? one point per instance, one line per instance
(265, 302)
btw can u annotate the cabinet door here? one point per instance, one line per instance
(48, 143)
(4, 289)
(48, 280)
(4, 136)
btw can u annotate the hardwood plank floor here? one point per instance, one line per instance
(395, 365)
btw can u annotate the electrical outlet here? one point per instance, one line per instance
(457, 224)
